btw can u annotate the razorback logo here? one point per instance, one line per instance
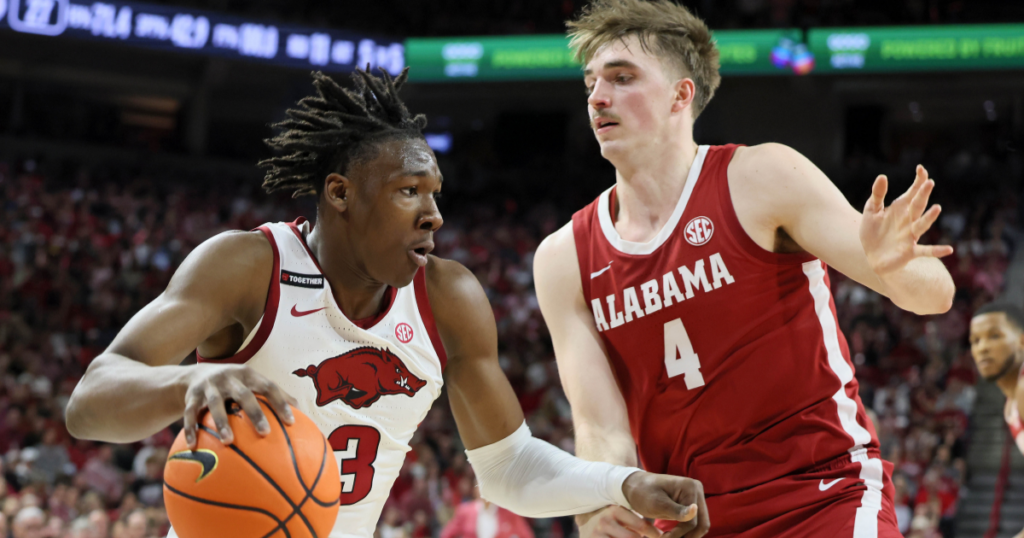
(360, 377)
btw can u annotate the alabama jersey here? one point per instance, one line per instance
(733, 367)
(367, 384)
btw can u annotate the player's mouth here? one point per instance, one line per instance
(603, 125)
(418, 252)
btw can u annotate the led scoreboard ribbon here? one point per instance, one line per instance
(918, 48)
(182, 29)
(533, 57)
(549, 57)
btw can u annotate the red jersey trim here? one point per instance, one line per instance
(419, 284)
(582, 235)
(367, 323)
(269, 312)
(389, 293)
(722, 157)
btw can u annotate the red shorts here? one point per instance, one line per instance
(845, 499)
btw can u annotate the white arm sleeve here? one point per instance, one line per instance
(534, 479)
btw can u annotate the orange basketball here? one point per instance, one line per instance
(284, 484)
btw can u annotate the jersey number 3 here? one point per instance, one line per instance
(680, 359)
(357, 446)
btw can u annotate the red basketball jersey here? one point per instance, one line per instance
(729, 357)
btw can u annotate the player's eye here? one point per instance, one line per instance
(411, 191)
(623, 78)
(437, 196)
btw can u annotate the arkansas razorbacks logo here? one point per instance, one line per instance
(360, 377)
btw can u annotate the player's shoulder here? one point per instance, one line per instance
(556, 250)
(764, 160)
(772, 172)
(226, 264)
(556, 270)
(460, 307)
(453, 289)
(234, 251)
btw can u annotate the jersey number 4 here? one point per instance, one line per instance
(357, 446)
(680, 359)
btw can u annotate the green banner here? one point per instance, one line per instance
(548, 56)
(918, 48)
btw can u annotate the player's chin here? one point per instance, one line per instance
(611, 148)
(403, 271)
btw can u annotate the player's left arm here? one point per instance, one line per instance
(515, 470)
(878, 248)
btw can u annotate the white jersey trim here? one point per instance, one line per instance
(642, 249)
(866, 520)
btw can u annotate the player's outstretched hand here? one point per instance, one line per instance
(669, 497)
(210, 385)
(889, 235)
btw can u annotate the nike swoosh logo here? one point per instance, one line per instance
(601, 272)
(204, 457)
(298, 314)
(823, 486)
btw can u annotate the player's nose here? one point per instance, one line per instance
(599, 98)
(431, 220)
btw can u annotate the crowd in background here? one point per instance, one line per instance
(82, 249)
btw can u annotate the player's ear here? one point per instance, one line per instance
(685, 91)
(337, 189)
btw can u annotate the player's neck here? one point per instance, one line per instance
(647, 189)
(358, 295)
(1008, 382)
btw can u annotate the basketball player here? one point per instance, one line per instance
(997, 344)
(689, 305)
(353, 322)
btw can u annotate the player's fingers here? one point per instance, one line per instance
(932, 251)
(614, 530)
(681, 529)
(923, 224)
(191, 412)
(922, 174)
(251, 406)
(876, 202)
(632, 521)
(703, 520)
(215, 403)
(920, 177)
(280, 401)
(920, 200)
(608, 525)
(648, 530)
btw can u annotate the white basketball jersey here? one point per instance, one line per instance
(367, 384)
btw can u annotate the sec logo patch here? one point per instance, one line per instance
(404, 333)
(698, 231)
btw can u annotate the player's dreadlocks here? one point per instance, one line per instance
(331, 130)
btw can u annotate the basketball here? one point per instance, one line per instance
(284, 484)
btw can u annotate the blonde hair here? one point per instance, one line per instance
(663, 28)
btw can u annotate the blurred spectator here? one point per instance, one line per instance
(100, 474)
(480, 519)
(29, 523)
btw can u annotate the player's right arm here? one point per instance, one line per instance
(599, 415)
(137, 387)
